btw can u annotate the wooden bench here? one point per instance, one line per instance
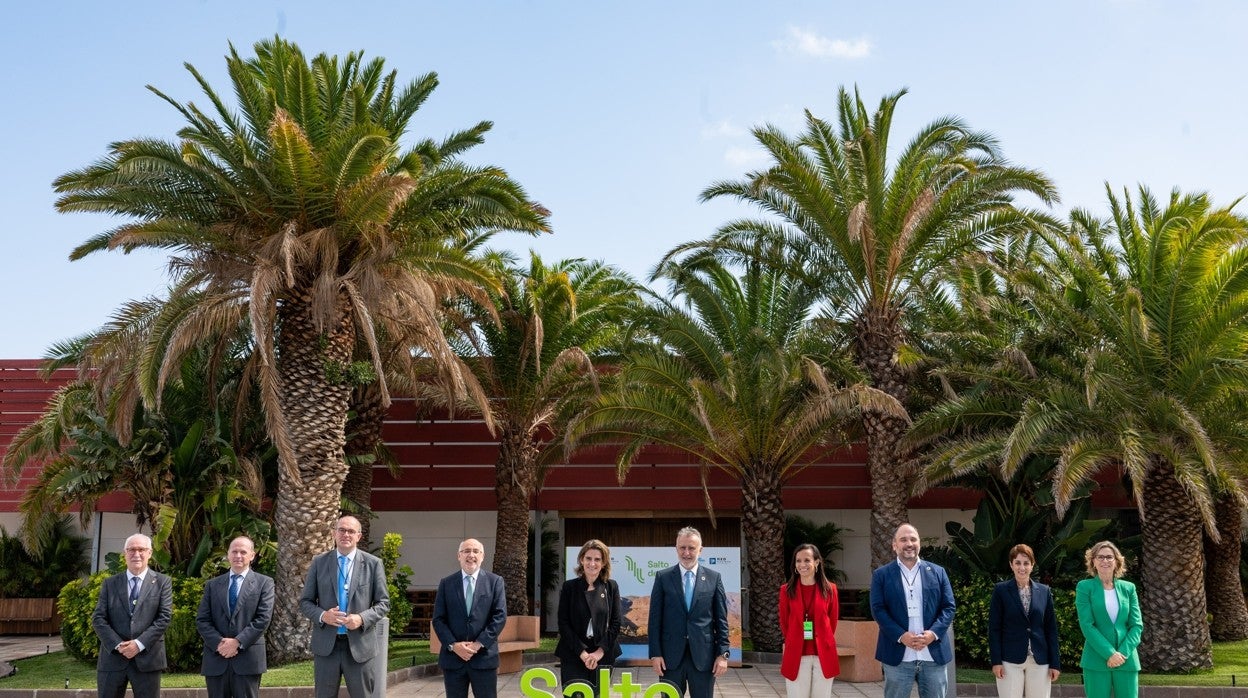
(855, 645)
(29, 617)
(519, 634)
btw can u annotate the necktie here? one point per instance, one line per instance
(234, 584)
(688, 589)
(468, 595)
(134, 591)
(343, 562)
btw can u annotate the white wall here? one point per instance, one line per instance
(431, 540)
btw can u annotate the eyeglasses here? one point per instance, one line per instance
(137, 550)
(348, 531)
(1104, 557)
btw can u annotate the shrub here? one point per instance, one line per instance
(397, 579)
(77, 603)
(42, 571)
(183, 645)
(974, 594)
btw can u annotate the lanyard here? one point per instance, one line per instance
(807, 603)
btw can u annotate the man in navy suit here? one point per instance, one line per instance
(912, 602)
(233, 615)
(689, 621)
(131, 616)
(469, 612)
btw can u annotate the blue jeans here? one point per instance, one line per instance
(900, 679)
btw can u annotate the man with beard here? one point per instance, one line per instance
(912, 602)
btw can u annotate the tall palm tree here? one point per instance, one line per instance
(534, 349)
(1153, 304)
(871, 230)
(732, 377)
(298, 215)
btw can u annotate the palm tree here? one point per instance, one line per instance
(298, 218)
(533, 350)
(1152, 303)
(733, 378)
(872, 231)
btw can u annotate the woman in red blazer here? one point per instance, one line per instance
(808, 613)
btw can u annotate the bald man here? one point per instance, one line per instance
(130, 618)
(468, 614)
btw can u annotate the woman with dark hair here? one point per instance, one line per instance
(1022, 632)
(809, 611)
(589, 618)
(1109, 616)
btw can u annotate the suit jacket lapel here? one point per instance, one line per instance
(1018, 599)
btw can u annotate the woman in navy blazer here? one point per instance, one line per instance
(1022, 632)
(589, 618)
(809, 662)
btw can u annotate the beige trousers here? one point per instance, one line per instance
(810, 682)
(1026, 680)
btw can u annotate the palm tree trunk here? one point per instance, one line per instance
(1172, 589)
(877, 338)
(515, 481)
(1224, 591)
(309, 501)
(762, 523)
(364, 436)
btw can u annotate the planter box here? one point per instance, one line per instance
(29, 617)
(855, 645)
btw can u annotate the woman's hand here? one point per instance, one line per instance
(1116, 660)
(998, 671)
(591, 659)
(1053, 674)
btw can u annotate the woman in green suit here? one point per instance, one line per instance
(1109, 616)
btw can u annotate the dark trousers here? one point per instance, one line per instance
(233, 685)
(575, 671)
(484, 682)
(112, 684)
(339, 665)
(687, 679)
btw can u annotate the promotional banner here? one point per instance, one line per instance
(633, 568)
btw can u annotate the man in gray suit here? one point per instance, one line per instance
(689, 621)
(345, 597)
(233, 615)
(133, 611)
(469, 612)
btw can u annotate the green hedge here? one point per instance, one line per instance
(183, 645)
(971, 625)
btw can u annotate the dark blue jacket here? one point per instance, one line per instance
(888, 606)
(1009, 629)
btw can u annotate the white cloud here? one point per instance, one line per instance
(745, 157)
(723, 129)
(808, 43)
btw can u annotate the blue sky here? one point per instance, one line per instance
(616, 115)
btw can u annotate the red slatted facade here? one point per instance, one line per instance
(448, 465)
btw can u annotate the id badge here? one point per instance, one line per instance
(808, 630)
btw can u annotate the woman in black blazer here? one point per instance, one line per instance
(589, 618)
(1022, 632)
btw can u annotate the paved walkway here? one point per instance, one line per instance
(756, 681)
(21, 646)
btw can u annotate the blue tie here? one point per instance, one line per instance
(468, 596)
(134, 591)
(688, 589)
(343, 562)
(234, 580)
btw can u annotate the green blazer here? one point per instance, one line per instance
(1102, 638)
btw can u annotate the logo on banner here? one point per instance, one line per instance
(635, 569)
(624, 687)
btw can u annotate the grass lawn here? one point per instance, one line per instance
(1229, 659)
(53, 670)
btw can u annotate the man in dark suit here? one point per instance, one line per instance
(689, 621)
(233, 615)
(912, 602)
(131, 616)
(345, 597)
(469, 612)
